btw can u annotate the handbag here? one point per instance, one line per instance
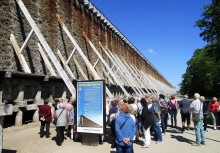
(55, 119)
(195, 116)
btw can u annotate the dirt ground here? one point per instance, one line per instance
(26, 139)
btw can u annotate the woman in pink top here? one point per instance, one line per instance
(70, 117)
(213, 108)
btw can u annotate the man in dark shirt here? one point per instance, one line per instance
(184, 110)
(156, 111)
(205, 111)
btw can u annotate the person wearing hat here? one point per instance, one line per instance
(185, 112)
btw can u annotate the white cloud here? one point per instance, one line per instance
(151, 51)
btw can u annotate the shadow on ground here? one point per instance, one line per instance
(181, 139)
(8, 151)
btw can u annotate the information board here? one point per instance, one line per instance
(91, 106)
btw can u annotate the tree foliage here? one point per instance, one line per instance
(210, 23)
(203, 69)
(201, 74)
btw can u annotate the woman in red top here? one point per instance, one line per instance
(45, 118)
(213, 108)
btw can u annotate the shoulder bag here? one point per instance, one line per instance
(55, 120)
(195, 116)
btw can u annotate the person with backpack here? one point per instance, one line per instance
(125, 131)
(147, 120)
(164, 112)
(172, 106)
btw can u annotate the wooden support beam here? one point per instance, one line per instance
(133, 75)
(26, 41)
(116, 79)
(19, 55)
(80, 68)
(88, 64)
(96, 63)
(47, 48)
(71, 55)
(110, 79)
(120, 69)
(46, 61)
(126, 66)
(123, 70)
(65, 65)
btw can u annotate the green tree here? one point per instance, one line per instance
(210, 26)
(210, 23)
(201, 74)
(203, 69)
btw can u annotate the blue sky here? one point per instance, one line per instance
(162, 30)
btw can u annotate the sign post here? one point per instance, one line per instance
(5, 109)
(91, 114)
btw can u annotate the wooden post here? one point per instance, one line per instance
(1, 132)
(38, 101)
(36, 116)
(5, 109)
(1, 93)
(18, 118)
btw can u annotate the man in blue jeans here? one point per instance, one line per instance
(197, 107)
(164, 112)
(156, 111)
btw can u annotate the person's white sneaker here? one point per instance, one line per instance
(158, 142)
(214, 128)
(145, 146)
